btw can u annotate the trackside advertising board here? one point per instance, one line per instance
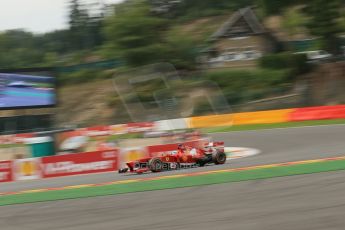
(27, 169)
(79, 163)
(6, 171)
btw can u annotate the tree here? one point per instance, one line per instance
(195, 8)
(274, 7)
(78, 20)
(55, 41)
(135, 34)
(323, 22)
(182, 52)
(294, 20)
(19, 49)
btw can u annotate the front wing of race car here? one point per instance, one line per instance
(156, 164)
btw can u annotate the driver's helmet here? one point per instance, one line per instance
(208, 146)
(181, 147)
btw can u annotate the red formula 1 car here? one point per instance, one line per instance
(184, 157)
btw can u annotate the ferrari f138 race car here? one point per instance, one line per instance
(184, 157)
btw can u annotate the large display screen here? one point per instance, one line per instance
(26, 91)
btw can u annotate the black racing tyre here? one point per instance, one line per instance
(219, 158)
(155, 165)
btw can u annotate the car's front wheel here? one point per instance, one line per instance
(155, 165)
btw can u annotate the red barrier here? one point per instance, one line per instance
(318, 113)
(80, 163)
(6, 174)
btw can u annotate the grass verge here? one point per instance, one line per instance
(273, 126)
(178, 181)
(11, 145)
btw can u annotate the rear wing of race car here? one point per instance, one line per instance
(215, 144)
(218, 145)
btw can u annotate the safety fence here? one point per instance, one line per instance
(245, 118)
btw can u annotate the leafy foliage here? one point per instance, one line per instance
(271, 7)
(139, 36)
(296, 62)
(294, 20)
(84, 30)
(241, 85)
(19, 48)
(135, 33)
(324, 21)
(194, 8)
(182, 52)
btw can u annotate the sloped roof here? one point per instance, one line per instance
(248, 15)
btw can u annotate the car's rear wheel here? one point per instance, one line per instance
(219, 158)
(155, 165)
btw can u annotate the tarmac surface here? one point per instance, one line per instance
(277, 146)
(312, 201)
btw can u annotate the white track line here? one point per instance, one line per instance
(240, 152)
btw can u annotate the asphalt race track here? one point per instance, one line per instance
(277, 146)
(314, 201)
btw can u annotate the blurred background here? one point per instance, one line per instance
(87, 86)
(252, 54)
